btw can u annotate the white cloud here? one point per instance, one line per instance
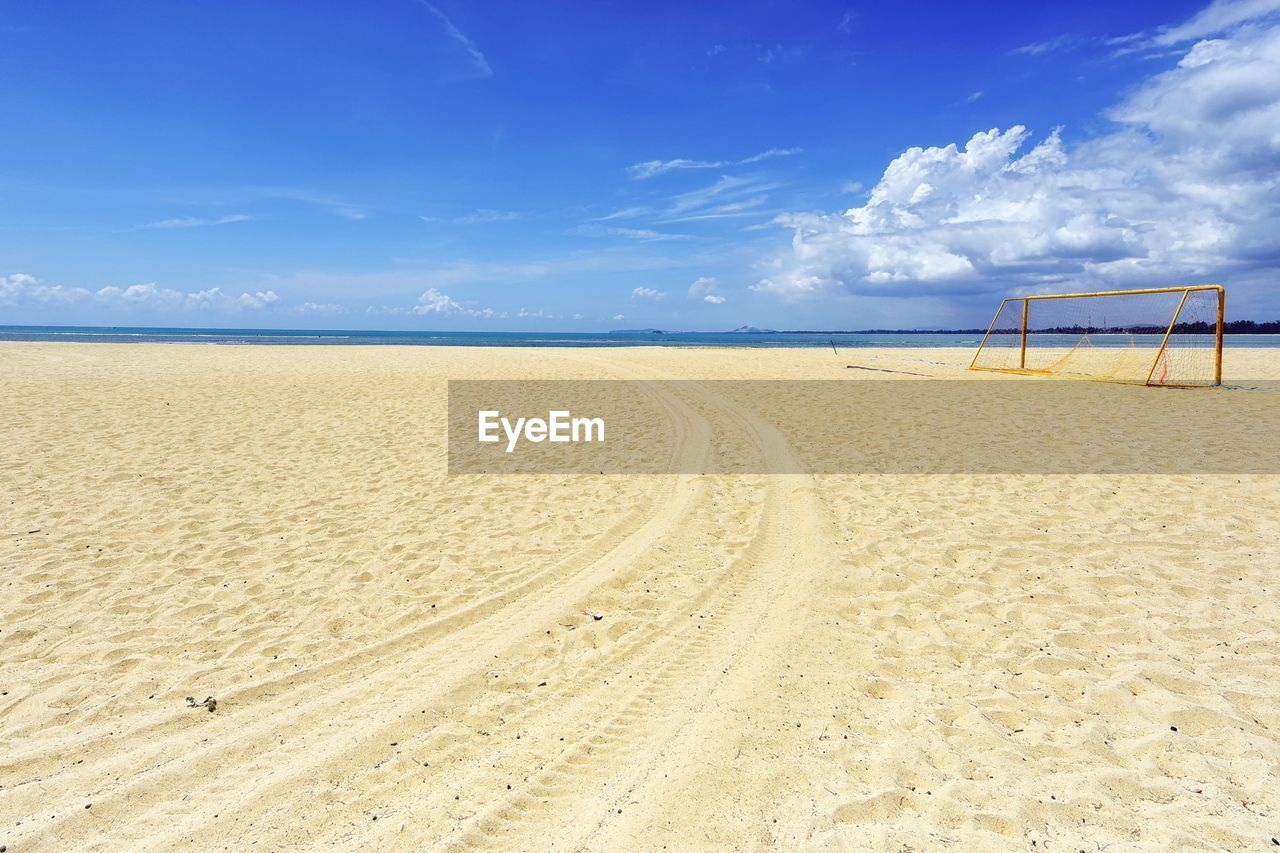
(619, 316)
(261, 299)
(1049, 45)
(479, 65)
(1184, 188)
(20, 288)
(729, 197)
(196, 222)
(138, 293)
(328, 203)
(643, 235)
(320, 308)
(23, 289)
(1219, 16)
(707, 289)
(434, 302)
(482, 216)
(648, 293)
(652, 168)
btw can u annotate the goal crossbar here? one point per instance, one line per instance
(1158, 334)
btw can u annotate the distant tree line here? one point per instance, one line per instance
(1251, 327)
(1199, 327)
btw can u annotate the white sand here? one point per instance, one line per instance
(867, 661)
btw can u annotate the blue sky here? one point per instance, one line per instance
(582, 166)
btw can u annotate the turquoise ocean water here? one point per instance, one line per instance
(107, 334)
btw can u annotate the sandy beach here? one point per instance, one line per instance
(403, 659)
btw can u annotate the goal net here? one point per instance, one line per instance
(1162, 336)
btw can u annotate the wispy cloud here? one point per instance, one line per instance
(729, 197)
(653, 168)
(648, 293)
(707, 289)
(479, 65)
(627, 213)
(1219, 16)
(253, 195)
(321, 308)
(1065, 41)
(644, 235)
(975, 96)
(329, 204)
(196, 222)
(482, 216)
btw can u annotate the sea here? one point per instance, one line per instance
(646, 338)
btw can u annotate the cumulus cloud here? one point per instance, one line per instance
(24, 289)
(258, 300)
(1182, 188)
(712, 299)
(652, 168)
(648, 293)
(433, 302)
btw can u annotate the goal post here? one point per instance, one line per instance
(1167, 336)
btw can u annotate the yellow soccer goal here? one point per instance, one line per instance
(1169, 336)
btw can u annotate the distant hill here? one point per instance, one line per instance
(751, 330)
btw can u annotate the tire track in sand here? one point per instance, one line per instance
(295, 718)
(695, 675)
